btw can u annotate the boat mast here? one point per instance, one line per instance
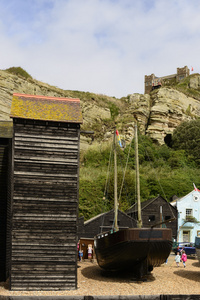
(115, 184)
(137, 178)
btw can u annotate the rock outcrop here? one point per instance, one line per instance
(158, 114)
(169, 108)
(10, 84)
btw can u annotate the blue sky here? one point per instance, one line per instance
(100, 46)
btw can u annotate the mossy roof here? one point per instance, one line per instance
(46, 108)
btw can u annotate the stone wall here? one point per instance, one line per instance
(151, 80)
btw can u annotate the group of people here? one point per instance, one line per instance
(80, 252)
(181, 257)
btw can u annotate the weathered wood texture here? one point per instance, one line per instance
(152, 214)
(45, 205)
(3, 205)
(9, 203)
(6, 133)
(104, 222)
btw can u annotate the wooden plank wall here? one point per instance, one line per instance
(3, 205)
(45, 206)
(154, 210)
(9, 203)
(105, 223)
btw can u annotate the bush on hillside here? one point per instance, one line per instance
(19, 72)
(187, 137)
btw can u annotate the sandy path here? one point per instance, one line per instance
(166, 279)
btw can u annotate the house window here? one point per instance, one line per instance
(196, 197)
(151, 218)
(188, 212)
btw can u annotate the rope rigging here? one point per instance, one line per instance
(124, 185)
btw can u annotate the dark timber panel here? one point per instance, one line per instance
(151, 214)
(3, 205)
(45, 204)
(9, 204)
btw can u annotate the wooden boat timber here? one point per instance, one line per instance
(135, 249)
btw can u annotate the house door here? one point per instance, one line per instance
(186, 236)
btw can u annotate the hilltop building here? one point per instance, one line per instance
(152, 82)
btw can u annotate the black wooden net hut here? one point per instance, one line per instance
(44, 192)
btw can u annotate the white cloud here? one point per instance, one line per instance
(100, 46)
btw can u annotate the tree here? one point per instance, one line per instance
(187, 137)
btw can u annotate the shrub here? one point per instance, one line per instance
(187, 137)
(19, 72)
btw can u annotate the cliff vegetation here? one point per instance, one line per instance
(164, 170)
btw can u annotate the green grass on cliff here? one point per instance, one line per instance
(163, 171)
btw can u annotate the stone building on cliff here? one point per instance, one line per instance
(152, 82)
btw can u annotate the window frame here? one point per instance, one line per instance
(187, 214)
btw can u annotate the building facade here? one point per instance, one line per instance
(188, 207)
(152, 82)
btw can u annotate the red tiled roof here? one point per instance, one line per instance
(46, 108)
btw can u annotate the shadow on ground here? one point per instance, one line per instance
(96, 273)
(196, 264)
(187, 274)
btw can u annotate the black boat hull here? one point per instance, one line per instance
(133, 249)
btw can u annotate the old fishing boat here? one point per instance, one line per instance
(136, 249)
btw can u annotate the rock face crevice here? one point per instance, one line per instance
(157, 114)
(169, 108)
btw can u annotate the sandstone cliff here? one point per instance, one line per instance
(158, 114)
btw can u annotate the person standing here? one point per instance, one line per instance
(184, 258)
(177, 259)
(90, 252)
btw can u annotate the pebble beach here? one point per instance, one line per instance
(92, 280)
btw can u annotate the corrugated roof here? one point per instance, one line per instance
(46, 108)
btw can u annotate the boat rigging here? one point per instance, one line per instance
(137, 249)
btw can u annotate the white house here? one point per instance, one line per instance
(188, 206)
